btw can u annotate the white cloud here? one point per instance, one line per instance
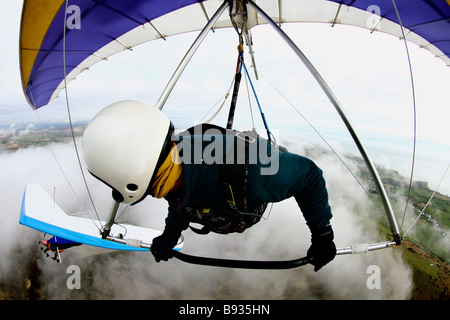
(283, 236)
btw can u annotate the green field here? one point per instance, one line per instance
(12, 140)
(426, 247)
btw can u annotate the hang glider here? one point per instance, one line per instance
(89, 31)
(62, 39)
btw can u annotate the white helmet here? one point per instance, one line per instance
(123, 146)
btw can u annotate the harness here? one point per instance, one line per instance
(233, 214)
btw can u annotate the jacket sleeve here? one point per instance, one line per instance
(301, 178)
(175, 219)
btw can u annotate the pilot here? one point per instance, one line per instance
(219, 178)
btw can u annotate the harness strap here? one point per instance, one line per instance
(233, 215)
(202, 231)
(237, 82)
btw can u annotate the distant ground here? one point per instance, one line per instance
(431, 275)
(24, 136)
(423, 250)
(430, 262)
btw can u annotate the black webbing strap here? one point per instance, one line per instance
(242, 264)
(237, 82)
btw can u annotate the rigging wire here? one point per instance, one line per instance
(225, 97)
(269, 133)
(122, 212)
(429, 201)
(70, 117)
(56, 158)
(414, 113)
(49, 144)
(249, 103)
(327, 143)
(44, 131)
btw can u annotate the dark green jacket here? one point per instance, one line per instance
(273, 176)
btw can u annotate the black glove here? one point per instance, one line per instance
(322, 249)
(162, 245)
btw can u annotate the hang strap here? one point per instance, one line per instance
(242, 264)
(237, 82)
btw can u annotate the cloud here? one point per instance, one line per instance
(283, 235)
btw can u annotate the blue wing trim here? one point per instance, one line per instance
(71, 235)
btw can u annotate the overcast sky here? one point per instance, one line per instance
(368, 73)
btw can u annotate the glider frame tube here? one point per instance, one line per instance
(255, 264)
(171, 84)
(363, 248)
(383, 195)
(112, 216)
